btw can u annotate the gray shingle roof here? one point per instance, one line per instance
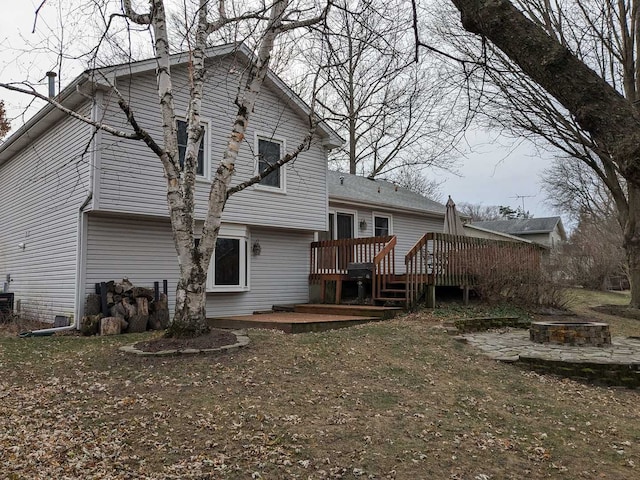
(380, 193)
(521, 226)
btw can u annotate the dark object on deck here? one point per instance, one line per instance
(360, 271)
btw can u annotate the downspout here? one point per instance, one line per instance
(76, 323)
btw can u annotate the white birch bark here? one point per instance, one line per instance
(190, 314)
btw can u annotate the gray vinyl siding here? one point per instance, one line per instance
(407, 227)
(41, 190)
(142, 250)
(475, 233)
(132, 178)
(279, 275)
(138, 249)
(541, 238)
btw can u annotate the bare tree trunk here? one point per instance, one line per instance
(632, 242)
(598, 108)
(189, 318)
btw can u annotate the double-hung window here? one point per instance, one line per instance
(381, 225)
(269, 151)
(229, 268)
(201, 169)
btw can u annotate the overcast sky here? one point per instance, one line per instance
(495, 172)
(491, 171)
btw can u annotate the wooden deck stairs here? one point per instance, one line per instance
(394, 292)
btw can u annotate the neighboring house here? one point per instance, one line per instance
(546, 231)
(472, 230)
(80, 207)
(362, 207)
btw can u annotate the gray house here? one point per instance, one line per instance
(545, 231)
(362, 207)
(80, 207)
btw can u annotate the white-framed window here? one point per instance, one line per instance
(268, 151)
(342, 224)
(229, 267)
(382, 224)
(204, 160)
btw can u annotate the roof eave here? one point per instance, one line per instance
(43, 119)
(338, 199)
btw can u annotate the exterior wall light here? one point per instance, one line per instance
(256, 249)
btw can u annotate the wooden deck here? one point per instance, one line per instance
(436, 260)
(308, 318)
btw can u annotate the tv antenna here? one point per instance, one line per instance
(522, 197)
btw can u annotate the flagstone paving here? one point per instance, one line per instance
(512, 346)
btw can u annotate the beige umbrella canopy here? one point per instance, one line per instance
(452, 222)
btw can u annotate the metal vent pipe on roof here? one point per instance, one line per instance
(52, 83)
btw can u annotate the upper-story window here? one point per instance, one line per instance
(270, 150)
(201, 169)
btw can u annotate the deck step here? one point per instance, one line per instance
(358, 310)
(394, 290)
(284, 308)
(390, 299)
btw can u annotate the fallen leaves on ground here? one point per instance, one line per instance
(392, 400)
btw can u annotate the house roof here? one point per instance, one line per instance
(347, 188)
(77, 92)
(506, 236)
(523, 226)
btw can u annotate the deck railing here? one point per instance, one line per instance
(439, 259)
(384, 268)
(330, 257)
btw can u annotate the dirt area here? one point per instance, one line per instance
(215, 338)
(12, 326)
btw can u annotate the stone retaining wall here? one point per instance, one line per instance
(613, 374)
(593, 334)
(481, 324)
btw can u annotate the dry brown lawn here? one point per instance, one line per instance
(398, 399)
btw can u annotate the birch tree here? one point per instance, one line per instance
(4, 123)
(268, 21)
(568, 73)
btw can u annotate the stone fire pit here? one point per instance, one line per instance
(591, 334)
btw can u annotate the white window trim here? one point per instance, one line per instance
(241, 233)
(283, 170)
(206, 148)
(356, 225)
(388, 216)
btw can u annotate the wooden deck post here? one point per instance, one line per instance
(465, 294)
(431, 296)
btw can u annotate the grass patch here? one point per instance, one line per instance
(395, 399)
(583, 302)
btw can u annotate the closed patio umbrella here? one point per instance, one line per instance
(452, 223)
